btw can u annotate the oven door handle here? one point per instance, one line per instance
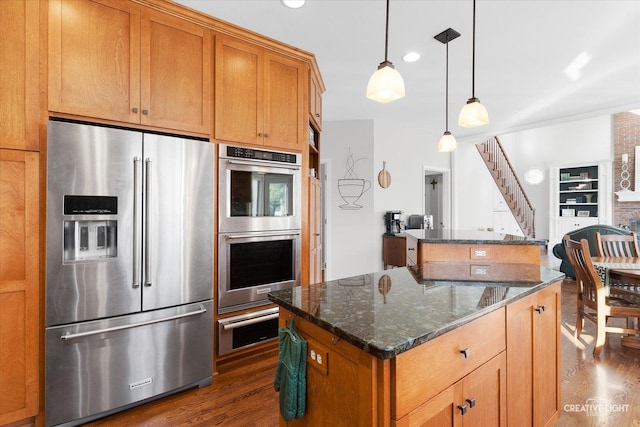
(261, 163)
(276, 234)
(233, 325)
(69, 336)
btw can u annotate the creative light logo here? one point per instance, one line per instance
(596, 406)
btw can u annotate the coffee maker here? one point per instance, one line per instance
(392, 222)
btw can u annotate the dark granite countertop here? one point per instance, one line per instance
(471, 237)
(392, 311)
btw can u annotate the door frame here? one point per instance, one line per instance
(447, 217)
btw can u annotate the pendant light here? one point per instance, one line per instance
(448, 141)
(386, 84)
(473, 114)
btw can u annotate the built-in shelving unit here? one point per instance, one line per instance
(578, 191)
(578, 195)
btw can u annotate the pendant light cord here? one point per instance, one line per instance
(446, 102)
(386, 34)
(473, 54)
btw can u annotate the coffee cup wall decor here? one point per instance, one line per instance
(351, 188)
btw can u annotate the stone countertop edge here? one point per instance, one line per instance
(391, 352)
(471, 237)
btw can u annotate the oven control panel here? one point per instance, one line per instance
(265, 155)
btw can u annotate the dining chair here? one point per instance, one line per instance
(617, 245)
(593, 303)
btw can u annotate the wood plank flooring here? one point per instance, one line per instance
(242, 395)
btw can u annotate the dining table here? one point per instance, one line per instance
(621, 278)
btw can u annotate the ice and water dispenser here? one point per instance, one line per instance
(86, 238)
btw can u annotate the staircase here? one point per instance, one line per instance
(509, 185)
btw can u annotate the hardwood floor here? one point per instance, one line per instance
(243, 395)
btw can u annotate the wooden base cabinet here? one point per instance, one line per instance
(533, 358)
(19, 283)
(119, 61)
(479, 399)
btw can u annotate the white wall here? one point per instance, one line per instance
(571, 142)
(355, 244)
(352, 232)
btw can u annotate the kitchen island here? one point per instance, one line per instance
(471, 246)
(433, 344)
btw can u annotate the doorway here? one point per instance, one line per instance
(436, 192)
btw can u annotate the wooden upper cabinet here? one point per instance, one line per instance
(19, 74)
(176, 69)
(315, 101)
(116, 60)
(19, 285)
(94, 59)
(260, 95)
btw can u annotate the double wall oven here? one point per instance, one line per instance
(259, 224)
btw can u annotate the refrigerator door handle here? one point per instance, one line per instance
(136, 226)
(69, 336)
(147, 224)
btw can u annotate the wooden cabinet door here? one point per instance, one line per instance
(94, 59)
(19, 74)
(19, 307)
(315, 231)
(238, 94)
(176, 79)
(285, 113)
(546, 333)
(484, 393)
(533, 337)
(315, 102)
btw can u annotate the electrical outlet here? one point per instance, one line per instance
(318, 357)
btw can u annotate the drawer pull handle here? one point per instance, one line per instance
(540, 309)
(471, 402)
(465, 352)
(411, 249)
(463, 409)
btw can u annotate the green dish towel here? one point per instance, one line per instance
(291, 373)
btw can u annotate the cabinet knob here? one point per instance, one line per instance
(540, 309)
(266, 135)
(317, 114)
(134, 109)
(463, 409)
(145, 112)
(260, 134)
(465, 352)
(471, 402)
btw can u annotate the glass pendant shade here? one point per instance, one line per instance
(386, 84)
(473, 114)
(447, 142)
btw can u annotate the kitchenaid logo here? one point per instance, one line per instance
(140, 383)
(596, 406)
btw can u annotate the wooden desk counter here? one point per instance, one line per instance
(471, 246)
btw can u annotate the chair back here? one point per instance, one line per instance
(588, 280)
(617, 245)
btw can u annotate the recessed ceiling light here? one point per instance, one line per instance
(293, 4)
(411, 57)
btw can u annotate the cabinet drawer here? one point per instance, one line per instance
(423, 372)
(522, 254)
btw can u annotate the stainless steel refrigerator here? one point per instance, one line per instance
(129, 282)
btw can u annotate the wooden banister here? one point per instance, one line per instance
(509, 185)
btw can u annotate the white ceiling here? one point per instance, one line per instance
(522, 49)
